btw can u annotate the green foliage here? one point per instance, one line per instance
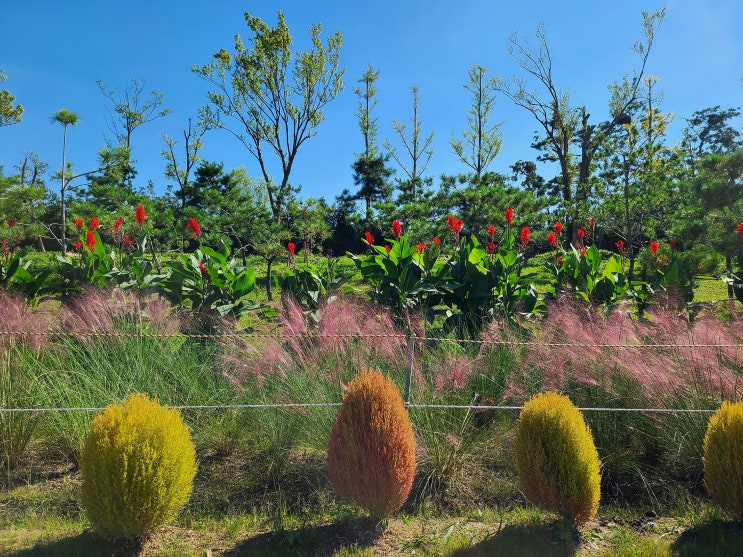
(723, 458)
(371, 455)
(309, 284)
(9, 113)
(557, 461)
(137, 467)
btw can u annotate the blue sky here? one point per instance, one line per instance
(53, 52)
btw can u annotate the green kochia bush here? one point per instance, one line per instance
(137, 466)
(556, 459)
(723, 458)
(371, 455)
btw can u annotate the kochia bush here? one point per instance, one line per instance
(723, 458)
(371, 455)
(137, 466)
(556, 459)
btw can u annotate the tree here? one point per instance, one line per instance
(65, 118)
(367, 94)
(181, 171)
(480, 144)
(419, 150)
(271, 99)
(708, 131)
(9, 113)
(130, 110)
(564, 126)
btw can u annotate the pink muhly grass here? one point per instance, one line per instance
(453, 372)
(244, 359)
(22, 325)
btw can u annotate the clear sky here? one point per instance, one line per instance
(53, 52)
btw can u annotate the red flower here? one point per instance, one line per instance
(291, 246)
(559, 261)
(455, 225)
(620, 245)
(740, 229)
(202, 269)
(509, 215)
(552, 239)
(420, 247)
(525, 235)
(118, 224)
(128, 243)
(139, 215)
(583, 252)
(672, 244)
(491, 247)
(79, 224)
(591, 222)
(654, 247)
(90, 240)
(12, 222)
(387, 247)
(437, 240)
(194, 227)
(396, 229)
(369, 238)
(93, 225)
(557, 228)
(491, 231)
(581, 234)
(77, 246)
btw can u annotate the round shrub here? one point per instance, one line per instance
(371, 455)
(723, 458)
(137, 467)
(557, 461)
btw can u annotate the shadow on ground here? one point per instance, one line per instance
(550, 539)
(713, 539)
(86, 544)
(311, 541)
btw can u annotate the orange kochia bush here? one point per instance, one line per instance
(371, 456)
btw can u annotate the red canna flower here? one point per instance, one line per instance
(740, 229)
(128, 243)
(79, 224)
(77, 246)
(93, 225)
(620, 245)
(581, 234)
(12, 222)
(90, 240)
(552, 239)
(491, 247)
(592, 222)
(525, 235)
(118, 224)
(291, 246)
(672, 244)
(559, 261)
(455, 226)
(509, 215)
(654, 247)
(583, 252)
(491, 231)
(420, 247)
(202, 269)
(139, 215)
(436, 240)
(194, 227)
(387, 247)
(396, 229)
(558, 228)
(369, 238)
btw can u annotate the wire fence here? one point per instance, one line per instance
(411, 339)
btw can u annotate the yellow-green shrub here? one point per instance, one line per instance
(723, 458)
(137, 466)
(371, 455)
(556, 458)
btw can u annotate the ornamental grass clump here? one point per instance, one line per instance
(556, 459)
(723, 458)
(371, 455)
(137, 466)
